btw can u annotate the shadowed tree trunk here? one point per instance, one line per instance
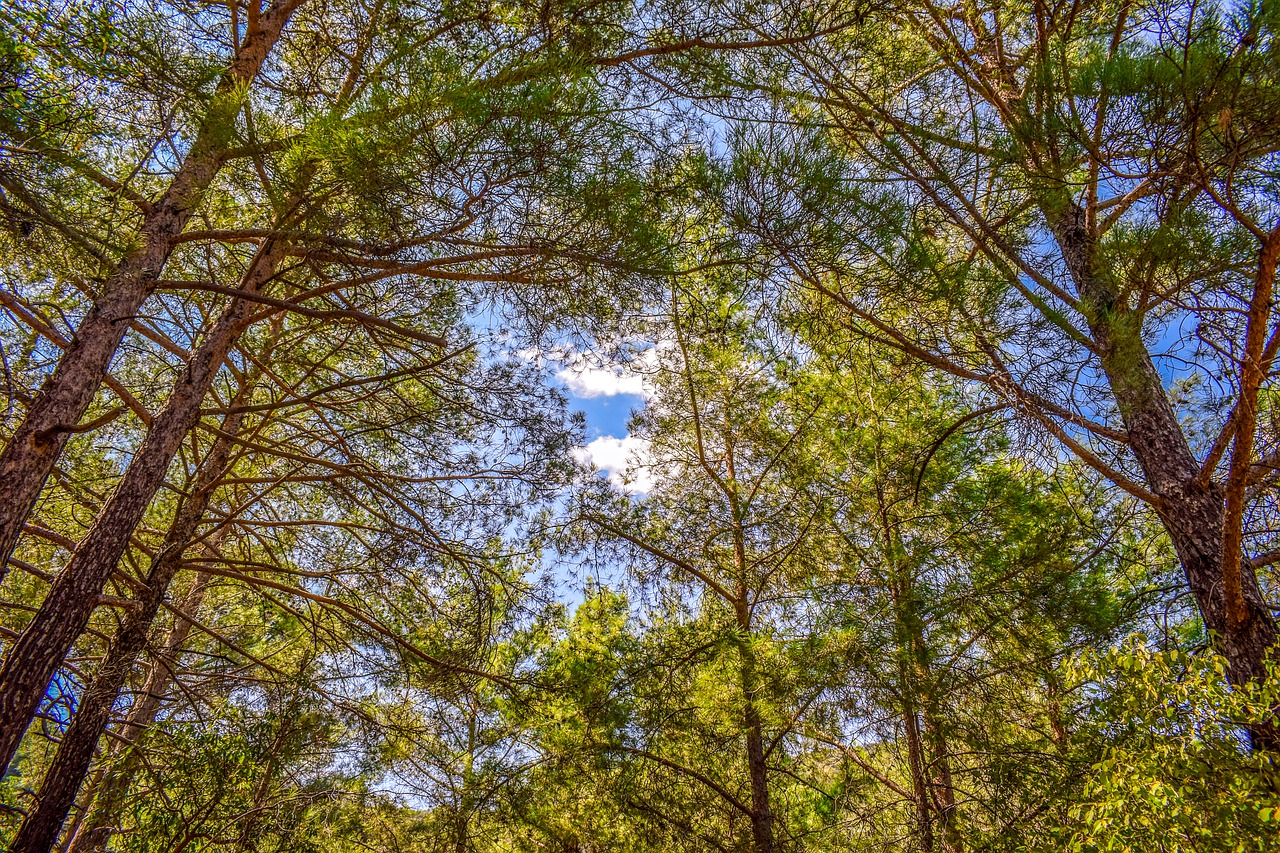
(757, 759)
(39, 831)
(928, 755)
(39, 651)
(25, 463)
(103, 811)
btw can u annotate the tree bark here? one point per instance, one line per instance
(35, 657)
(915, 763)
(92, 835)
(757, 760)
(1193, 514)
(39, 831)
(942, 788)
(34, 448)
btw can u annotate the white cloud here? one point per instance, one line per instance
(626, 460)
(588, 382)
(588, 374)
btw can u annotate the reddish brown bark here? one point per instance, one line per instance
(39, 831)
(1192, 510)
(1254, 366)
(29, 457)
(39, 651)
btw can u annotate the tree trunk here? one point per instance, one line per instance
(92, 835)
(908, 690)
(915, 763)
(35, 657)
(1193, 515)
(39, 831)
(757, 760)
(935, 793)
(32, 451)
(88, 794)
(943, 791)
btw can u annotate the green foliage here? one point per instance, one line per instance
(241, 778)
(863, 586)
(1173, 769)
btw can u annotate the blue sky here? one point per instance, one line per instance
(606, 390)
(607, 416)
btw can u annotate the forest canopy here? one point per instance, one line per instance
(944, 514)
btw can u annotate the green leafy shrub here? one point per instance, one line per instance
(1169, 763)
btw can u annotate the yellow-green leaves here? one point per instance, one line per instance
(1171, 769)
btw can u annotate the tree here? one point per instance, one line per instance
(1071, 206)
(961, 578)
(34, 447)
(433, 230)
(723, 431)
(909, 586)
(1165, 765)
(313, 564)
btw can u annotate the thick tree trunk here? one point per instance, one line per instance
(92, 834)
(39, 831)
(919, 783)
(87, 796)
(38, 653)
(1192, 514)
(757, 760)
(34, 448)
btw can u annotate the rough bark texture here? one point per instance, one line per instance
(95, 830)
(1192, 514)
(39, 831)
(39, 651)
(757, 760)
(29, 457)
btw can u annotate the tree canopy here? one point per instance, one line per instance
(943, 518)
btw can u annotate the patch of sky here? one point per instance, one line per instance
(603, 382)
(607, 385)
